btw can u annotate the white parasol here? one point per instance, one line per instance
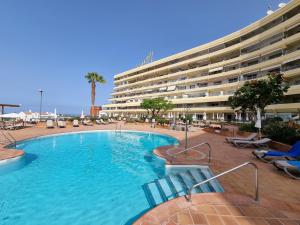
(258, 120)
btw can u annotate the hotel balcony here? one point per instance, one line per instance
(206, 76)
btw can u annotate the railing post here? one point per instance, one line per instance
(256, 183)
(204, 143)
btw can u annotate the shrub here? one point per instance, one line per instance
(272, 120)
(280, 131)
(248, 127)
(188, 117)
(105, 118)
(162, 121)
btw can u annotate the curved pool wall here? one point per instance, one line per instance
(81, 178)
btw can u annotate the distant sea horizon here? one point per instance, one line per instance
(65, 109)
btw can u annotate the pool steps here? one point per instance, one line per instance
(174, 185)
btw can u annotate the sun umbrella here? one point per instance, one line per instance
(82, 115)
(55, 114)
(204, 116)
(258, 120)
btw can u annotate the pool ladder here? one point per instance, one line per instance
(9, 138)
(118, 130)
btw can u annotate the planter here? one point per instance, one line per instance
(279, 146)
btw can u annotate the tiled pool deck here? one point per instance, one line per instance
(280, 195)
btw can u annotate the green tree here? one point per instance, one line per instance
(259, 93)
(94, 78)
(155, 106)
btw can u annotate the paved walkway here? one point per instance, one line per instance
(275, 186)
(9, 154)
(221, 209)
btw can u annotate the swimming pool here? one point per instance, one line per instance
(98, 177)
(81, 178)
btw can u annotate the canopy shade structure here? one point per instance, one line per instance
(7, 105)
(10, 115)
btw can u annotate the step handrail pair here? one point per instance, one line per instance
(189, 195)
(190, 148)
(9, 138)
(120, 130)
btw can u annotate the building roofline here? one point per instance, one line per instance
(229, 37)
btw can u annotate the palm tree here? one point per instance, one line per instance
(93, 78)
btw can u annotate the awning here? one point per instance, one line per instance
(271, 67)
(291, 60)
(250, 73)
(163, 88)
(215, 69)
(171, 88)
(269, 52)
(293, 26)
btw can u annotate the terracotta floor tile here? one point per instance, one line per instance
(229, 220)
(199, 219)
(278, 214)
(169, 223)
(222, 210)
(250, 211)
(259, 221)
(273, 222)
(173, 218)
(290, 222)
(184, 218)
(214, 220)
(244, 221)
(206, 209)
(148, 223)
(234, 210)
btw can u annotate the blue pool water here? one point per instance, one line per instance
(81, 179)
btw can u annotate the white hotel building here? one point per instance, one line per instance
(202, 78)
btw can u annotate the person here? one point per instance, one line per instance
(153, 123)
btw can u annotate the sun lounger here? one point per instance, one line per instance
(258, 143)
(251, 137)
(61, 124)
(49, 124)
(87, 123)
(290, 167)
(103, 122)
(75, 123)
(100, 122)
(14, 127)
(268, 155)
(112, 121)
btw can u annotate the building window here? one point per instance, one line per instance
(202, 84)
(250, 76)
(232, 80)
(217, 82)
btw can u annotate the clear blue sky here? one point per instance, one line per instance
(52, 44)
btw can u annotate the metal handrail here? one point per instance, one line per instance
(190, 148)
(120, 130)
(13, 141)
(189, 195)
